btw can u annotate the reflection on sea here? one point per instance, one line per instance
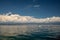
(29, 32)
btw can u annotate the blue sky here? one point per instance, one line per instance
(36, 8)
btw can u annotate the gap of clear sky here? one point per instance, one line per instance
(35, 8)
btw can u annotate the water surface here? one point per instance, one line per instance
(30, 32)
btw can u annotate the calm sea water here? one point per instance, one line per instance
(29, 32)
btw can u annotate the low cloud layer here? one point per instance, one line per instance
(9, 17)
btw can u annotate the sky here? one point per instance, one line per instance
(27, 11)
(36, 8)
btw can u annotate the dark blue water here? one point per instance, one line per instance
(29, 32)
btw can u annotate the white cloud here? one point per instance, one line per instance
(34, 0)
(9, 17)
(36, 6)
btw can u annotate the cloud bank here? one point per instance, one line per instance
(16, 18)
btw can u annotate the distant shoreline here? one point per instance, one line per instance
(30, 24)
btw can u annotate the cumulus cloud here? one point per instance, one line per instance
(16, 18)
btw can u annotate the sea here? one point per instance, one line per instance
(30, 32)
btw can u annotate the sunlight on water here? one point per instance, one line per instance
(29, 32)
